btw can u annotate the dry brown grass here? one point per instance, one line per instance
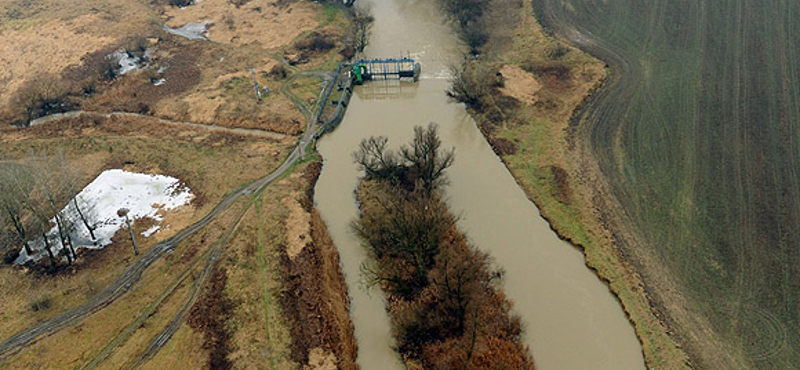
(70, 42)
(519, 84)
(298, 227)
(211, 164)
(259, 21)
(184, 351)
(48, 36)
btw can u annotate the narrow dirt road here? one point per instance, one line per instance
(134, 272)
(210, 127)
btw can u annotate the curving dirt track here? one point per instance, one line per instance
(210, 259)
(695, 144)
(134, 272)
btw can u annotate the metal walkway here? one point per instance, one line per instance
(385, 69)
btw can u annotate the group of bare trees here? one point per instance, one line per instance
(41, 96)
(420, 164)
(447, 310)
(36, 196)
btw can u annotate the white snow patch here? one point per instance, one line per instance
(152, 230)
(191, 31)
(144, 195)
(127, 61)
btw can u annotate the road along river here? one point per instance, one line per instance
(572, 320)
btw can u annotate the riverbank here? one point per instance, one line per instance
(528, 124)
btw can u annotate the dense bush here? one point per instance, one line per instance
(315, 42)
(474, 84)
(467, 16)
(42, 96)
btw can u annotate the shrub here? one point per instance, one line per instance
(315, 42)
(279, 72)
(472, 83)
(41, 303)
(43, 96)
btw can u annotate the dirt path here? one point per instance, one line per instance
(80, 113)
(211, 258)
(134, 272)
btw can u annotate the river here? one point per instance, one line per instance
(571, 320)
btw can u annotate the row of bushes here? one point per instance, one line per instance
(447, 309)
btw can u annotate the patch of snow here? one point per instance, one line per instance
(191, 31)
(152, 230)
(144, 195)
(127, 61)
(159, 82)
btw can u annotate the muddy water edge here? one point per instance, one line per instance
(572, 320)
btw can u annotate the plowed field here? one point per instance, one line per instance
(696, 135)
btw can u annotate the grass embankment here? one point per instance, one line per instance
(525, 115)
(279, 301)
(444, 297)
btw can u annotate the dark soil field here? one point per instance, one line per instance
(696, 143)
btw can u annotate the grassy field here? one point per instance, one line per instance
(247, 316)
(243, 313)
(695, 136)
(62, 48)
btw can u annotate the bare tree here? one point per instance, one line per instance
(89, 227)
(13, 186)
(472, 84)
(41, 96)
(403, 231)
(37, 195)
(362, 25)
(377, 161)
(426, 157)
(57, 188)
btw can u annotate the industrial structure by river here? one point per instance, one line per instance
(571, 320)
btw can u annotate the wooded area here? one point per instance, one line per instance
(36, 195)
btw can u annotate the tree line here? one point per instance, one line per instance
(448, 311)
(37, 195)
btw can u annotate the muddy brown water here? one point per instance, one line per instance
(572, 321)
